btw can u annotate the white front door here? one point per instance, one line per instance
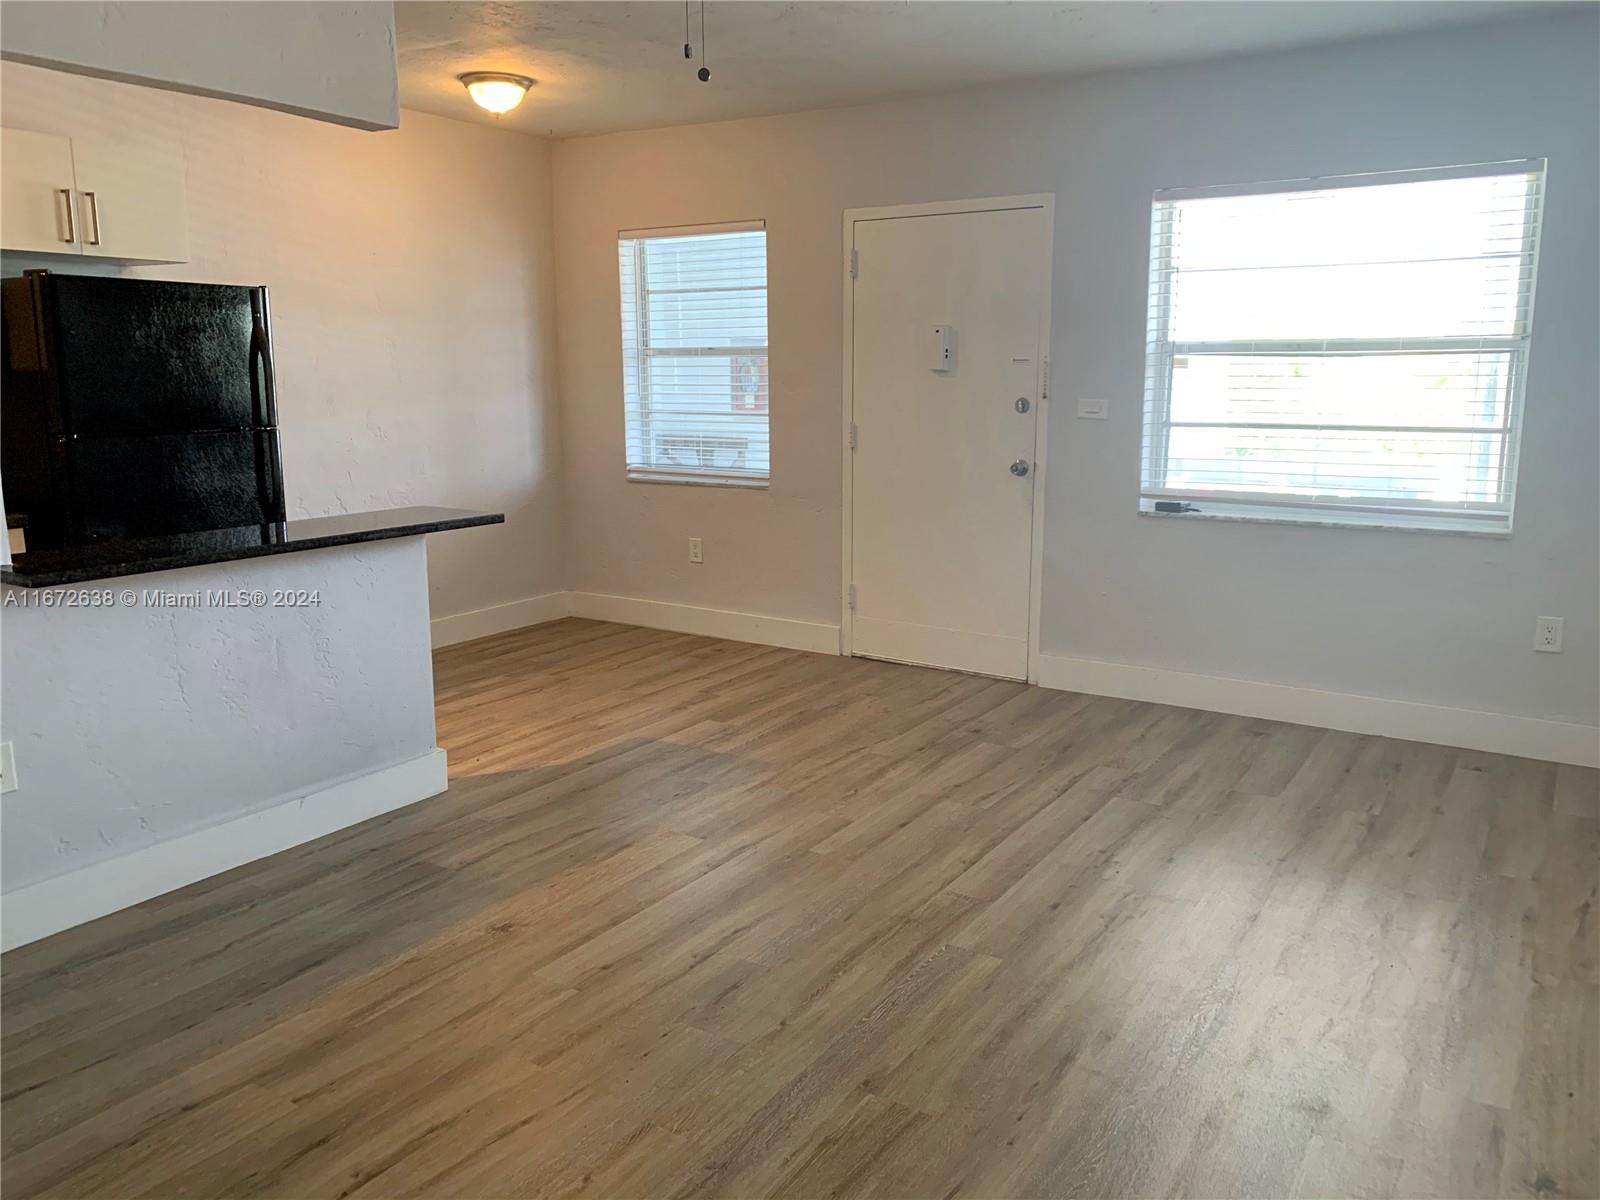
(948, 321)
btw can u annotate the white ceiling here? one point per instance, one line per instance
(612, 65)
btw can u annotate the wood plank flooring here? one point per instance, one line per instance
(698, 918)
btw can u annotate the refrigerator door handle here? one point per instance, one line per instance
(264, 395)
(266, 392)
(269, 475)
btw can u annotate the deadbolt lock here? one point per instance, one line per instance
(1022, 404)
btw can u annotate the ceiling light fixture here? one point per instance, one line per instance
(494, 90)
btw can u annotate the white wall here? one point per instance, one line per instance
(1433, 618)
(411, 284)
(332, 61)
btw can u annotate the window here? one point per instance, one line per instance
(1347, 350)
(694, 354)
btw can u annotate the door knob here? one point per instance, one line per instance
(1020, 467)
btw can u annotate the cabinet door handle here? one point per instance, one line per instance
(94, 217)
(72, 227)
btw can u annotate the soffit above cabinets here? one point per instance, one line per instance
(315, 58)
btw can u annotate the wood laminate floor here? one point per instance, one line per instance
(698, 918)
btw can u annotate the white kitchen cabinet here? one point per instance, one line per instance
(37, 205)
(131, 202)
(92, 198)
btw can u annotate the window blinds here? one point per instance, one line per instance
(1349, 350)
(694, 353)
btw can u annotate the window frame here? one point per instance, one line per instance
(643, 351)
(1484, 518)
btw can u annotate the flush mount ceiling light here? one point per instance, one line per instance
(496, 91)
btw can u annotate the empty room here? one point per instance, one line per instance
(816, 599)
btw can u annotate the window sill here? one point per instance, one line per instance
(745, 482)
(1389, 523)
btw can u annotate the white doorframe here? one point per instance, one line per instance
(1046, 201)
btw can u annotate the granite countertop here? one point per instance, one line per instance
(109, 560)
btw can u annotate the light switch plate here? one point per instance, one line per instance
(1093, 409)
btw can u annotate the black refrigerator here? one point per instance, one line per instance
(136, 408)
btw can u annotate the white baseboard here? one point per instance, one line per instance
(1499, 733)
(51, 905)
(711, 622)
(631, 610)
(499, 618)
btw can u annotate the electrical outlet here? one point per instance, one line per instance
(696, 555)
(1547, 634)
(8, 769)
(1095, 410)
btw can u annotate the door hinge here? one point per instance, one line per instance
(855, 264)
(855, 438)
(1044, 385)
(850, 597)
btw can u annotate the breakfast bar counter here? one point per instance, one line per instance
(141, 556)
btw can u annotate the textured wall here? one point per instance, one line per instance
(411, 304)
(1434, 618)
(133, 724)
